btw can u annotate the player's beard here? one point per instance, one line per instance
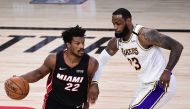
(123, 33)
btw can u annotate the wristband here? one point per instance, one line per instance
(94, 82)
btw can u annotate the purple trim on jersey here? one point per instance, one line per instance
(151, 98)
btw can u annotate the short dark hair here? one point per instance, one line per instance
(73, 32)
(122, 11)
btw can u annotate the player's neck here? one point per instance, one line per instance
(70, 59)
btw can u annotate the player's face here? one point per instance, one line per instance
(77, 46)
(120, 26)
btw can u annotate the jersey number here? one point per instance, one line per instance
(134, 61)
(72, 87)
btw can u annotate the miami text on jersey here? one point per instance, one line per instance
(73, 79)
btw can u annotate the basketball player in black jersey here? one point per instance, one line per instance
(70, 74)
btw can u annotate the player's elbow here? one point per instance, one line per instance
(178, 48)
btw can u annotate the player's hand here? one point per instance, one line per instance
(93, 93)
(165, 79)
(86, 105)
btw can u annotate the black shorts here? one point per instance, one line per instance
(55, 105)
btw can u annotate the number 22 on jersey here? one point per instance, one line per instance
(72, 87)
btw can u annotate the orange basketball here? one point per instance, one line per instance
(16, 87)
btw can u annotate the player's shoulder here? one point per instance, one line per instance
(144, 29)
(51, 57)
(92, 65)
(50, 61)
(93, 61)
(147, 32)
(92, 58)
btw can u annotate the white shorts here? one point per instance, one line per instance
(152, 95)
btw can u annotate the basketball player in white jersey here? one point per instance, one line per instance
(141, 47)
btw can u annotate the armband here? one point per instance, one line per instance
(103, 58)
(94, 82)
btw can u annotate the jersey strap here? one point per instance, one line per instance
(137, 29)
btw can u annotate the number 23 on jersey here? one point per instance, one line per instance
(135, 62)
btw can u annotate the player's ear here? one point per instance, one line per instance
(68, 45)
(128, 20)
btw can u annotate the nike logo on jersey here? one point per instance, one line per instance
(60, 68)
(79, 106)
(133, 41)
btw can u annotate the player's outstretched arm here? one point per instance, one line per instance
(43, 70)
(110, 50)
(104, 56)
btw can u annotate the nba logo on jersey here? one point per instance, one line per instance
(80, 71)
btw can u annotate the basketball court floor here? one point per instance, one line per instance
(29, 32)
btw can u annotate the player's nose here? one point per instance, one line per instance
(81, 45)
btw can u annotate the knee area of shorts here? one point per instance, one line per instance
(136, 107)
(132, 107)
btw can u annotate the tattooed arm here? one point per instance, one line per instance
(153, 37)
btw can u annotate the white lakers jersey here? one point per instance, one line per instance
(149, 63)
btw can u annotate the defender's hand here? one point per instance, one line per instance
(86, 105)
(93, 93)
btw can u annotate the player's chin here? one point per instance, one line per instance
(81, 53)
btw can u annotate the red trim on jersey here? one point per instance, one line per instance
(15, 107)
(48, 89)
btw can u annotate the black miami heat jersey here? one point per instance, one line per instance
(68, 86)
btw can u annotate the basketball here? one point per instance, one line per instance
(16, 87)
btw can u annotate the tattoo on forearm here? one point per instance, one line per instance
(174, 56)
